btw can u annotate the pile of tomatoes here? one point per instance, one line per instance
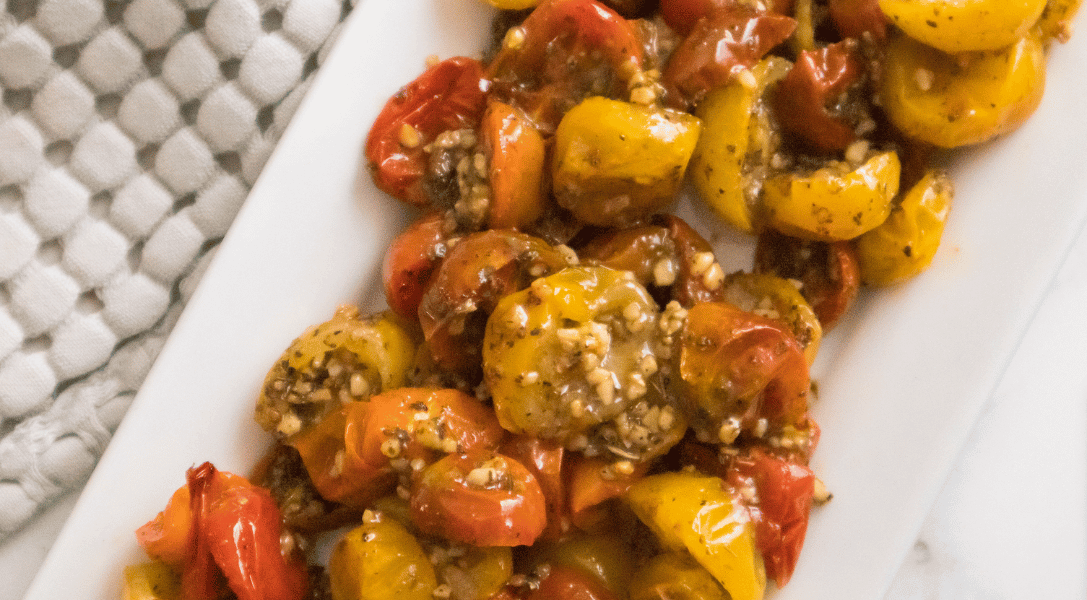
(569, 397)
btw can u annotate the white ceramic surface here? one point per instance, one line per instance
(901, 380)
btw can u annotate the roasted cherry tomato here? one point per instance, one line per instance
(810, 101)
(704, 516)
(668, 255)
(544, 459)
(615, 163)
(964, 26)
(603, 554)
(829, 273)
(777, 298)
(728, 41)
(592, 481)
(955, 100)
(345, 359)
(572, 351)
(478, 271)
(479, 498)
(780, 506)
(553, 60)
(233, 528)
(516, 155)
(739, 372)
(410, 261)
(904, 245)
(380, 560)
(349, 455)
(450, 95)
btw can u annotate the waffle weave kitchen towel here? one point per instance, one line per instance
(130, 134)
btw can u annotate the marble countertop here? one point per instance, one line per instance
(1011, 520)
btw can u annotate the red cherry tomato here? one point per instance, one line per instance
(479, 498)
(725, 42)
(829, 273)
(450, 95)
(232, 530)
(564, 582)
(855, 17)
(819, 79)
(557, 62)
(783, 499)
(410, 261)
(242, 528)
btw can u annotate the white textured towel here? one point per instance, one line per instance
(130, 133)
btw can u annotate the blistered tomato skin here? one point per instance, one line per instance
(835, 203)
(958, 100)
(479, 498)
(616, 162)
(904, 245)
(964, 25)
(450, 95)
(569, 352)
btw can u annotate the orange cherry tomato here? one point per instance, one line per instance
(479, 498)
(592, 481)
(450, 95)
(348, 454)
(517, 155)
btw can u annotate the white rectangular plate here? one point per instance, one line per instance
(901, 379)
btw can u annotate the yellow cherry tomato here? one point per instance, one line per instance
(380, 560)
(479, 573)
(836, 202)
(616, 162)
(705, 517)
(513, 4)
(737, 144)
(562, 355)
(347, 358)
(952, 101)
(903, 246)
(964, 25)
